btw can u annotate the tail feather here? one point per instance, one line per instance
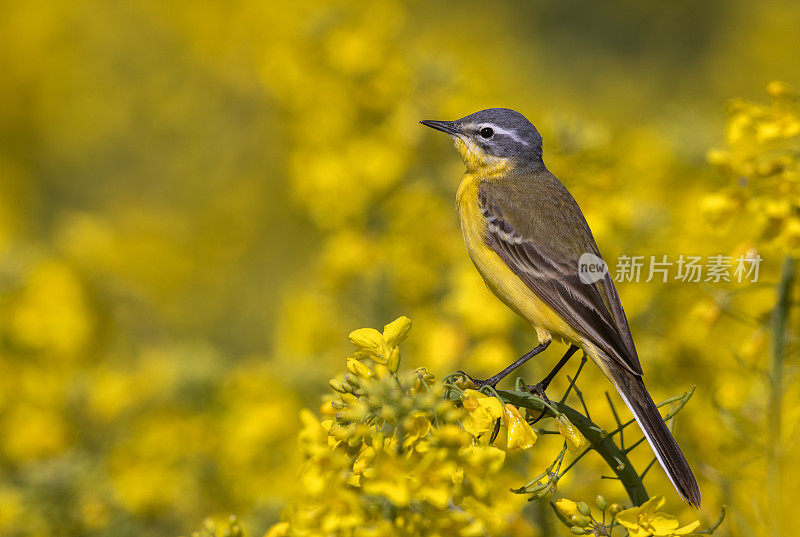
(638, 400)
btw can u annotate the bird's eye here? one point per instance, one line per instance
(486, 132)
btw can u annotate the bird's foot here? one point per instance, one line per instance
(539, 389)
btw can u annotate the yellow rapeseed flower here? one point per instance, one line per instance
(366, 338)
(520, 434)
(423, 380)
(415, 426)
(646, 520)
(396, 331)
(482, 410)
(391, 441)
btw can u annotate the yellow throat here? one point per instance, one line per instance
(479, 163)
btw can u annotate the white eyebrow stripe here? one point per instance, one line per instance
(500, 130)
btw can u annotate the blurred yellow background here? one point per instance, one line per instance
(199, 200)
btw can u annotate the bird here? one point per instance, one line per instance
(525, 234)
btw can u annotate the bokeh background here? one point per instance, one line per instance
(199, 200)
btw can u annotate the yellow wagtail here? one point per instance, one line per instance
(526, 234)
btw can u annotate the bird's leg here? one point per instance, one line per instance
(493, 380)
(545, 382)
(540, 388)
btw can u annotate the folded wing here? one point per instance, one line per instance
(593, 309)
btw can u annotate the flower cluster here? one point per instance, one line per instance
(484, 413)
(763, 161)
(761, 208)
(642, 521)
(389, 455)
(397, 453)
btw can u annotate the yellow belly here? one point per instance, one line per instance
(499, 278)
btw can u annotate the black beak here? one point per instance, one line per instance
(445, 126)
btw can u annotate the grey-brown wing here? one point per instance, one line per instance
(592, 309)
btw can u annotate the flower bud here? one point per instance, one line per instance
(337, 385)
(614, 509)
(350, 383)
(366, 338)
(580, 521)
(465, 383)
(396, 331)
(393, 361)
(376, 355)
(326, 408)
(601, 503)
(566, 507)
(584, 509)
(422, 378)
(359, 369)
(349, 398)
(577, 530)
(426, 375)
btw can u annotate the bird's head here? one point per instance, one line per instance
(493, 141)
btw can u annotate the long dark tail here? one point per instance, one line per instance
(635, 395)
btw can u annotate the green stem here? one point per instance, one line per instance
(573, 379)
(780, 317)
(599, 440)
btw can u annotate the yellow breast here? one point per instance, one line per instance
(499, 278)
